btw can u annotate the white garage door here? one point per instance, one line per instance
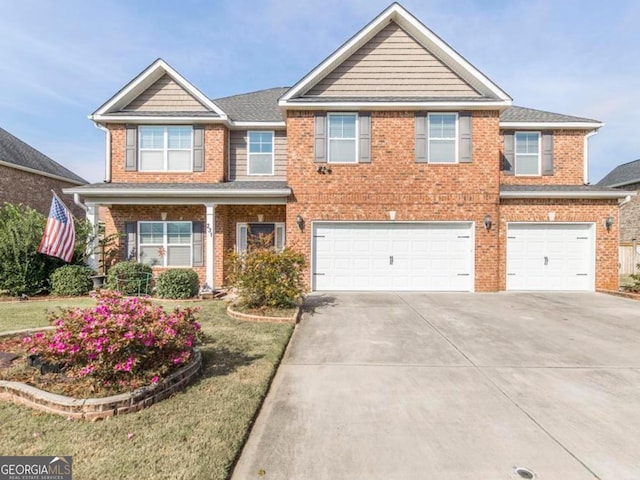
(550, 257)
(393, 256)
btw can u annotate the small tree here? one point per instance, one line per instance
(265, 277)
(22, 269)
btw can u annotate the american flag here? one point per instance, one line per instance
(59, 239)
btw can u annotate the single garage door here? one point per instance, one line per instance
(550, 256)
(393, 256)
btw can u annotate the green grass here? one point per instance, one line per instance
(16, 315)
(196, 434)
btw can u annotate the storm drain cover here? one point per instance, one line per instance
(524, 473)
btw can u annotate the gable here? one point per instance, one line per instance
(392, 64)
(165, 95)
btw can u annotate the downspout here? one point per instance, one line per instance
(107, 151)
(585, 177)
(78, 202)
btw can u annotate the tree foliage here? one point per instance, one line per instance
(22, 269)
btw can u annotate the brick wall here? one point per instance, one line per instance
(630, 216)
(513, 210)
(18, 186)
(215, 153)
(568, 158)
(394, 181)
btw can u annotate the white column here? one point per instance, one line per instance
(210, 228)
(92, 217)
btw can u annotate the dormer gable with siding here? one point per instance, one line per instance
(163, 129)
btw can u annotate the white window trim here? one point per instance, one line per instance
(515, 154)
(355, 139)
(165, 244)
(455, 138)
(279, 237)
(273, 153)
(165, 149)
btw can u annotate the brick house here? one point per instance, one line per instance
(27, 176)
(393, 165)
(627, 177)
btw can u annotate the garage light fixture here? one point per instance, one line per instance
(487, 222)
(608, 223)
(300, 222)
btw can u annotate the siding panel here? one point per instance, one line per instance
(165, 95)
(392, 63)
(238, 157)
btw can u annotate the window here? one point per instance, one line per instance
(248, 234)
(442, 135)
(260, 153)
(527, 153)
(166, 149)
(342, 137)
(165, 244)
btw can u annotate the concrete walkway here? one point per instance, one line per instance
(454, 386)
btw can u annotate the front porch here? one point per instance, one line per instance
(186, 226)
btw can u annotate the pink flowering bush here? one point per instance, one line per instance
(125, 342)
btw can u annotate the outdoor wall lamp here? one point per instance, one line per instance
(487, 222)
(300, 222)
(608, 223)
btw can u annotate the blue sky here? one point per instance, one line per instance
(61, 60)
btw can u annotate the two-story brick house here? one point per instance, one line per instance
(393, 165)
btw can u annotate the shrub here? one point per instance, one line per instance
(177, 283)
(122, 341)
(130, 278)
(267, 278)
(71, 280)
(22, 268)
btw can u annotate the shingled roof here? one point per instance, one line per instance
(16, 152)
(260, 106)
(624, 174)
(522, 114)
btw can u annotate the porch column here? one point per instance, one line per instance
(210, 228)
(92, 247)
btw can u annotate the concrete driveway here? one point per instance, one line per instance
(454, 386)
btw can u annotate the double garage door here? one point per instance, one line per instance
(435, 256)
(393, 256)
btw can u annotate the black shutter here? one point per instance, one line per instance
(364, 137)
(508, 154)
(421, 138)
(131, 240)
(320, 135)
(465, 146)
(131, 148)
(198, 244)
(547, 153)
(198, 148)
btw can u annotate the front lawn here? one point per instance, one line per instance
(194, 434)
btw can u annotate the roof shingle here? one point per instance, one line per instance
(15, 151)
(260, 106)
(622, 174)
(522, 114)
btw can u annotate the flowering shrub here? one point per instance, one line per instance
(126, 342)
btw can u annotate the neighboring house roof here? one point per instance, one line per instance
(260, 106)
(561, 191)
(622, 175)
(14, 152)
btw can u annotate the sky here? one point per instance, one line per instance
(59, 61)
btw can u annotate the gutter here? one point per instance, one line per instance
(585, 155)
(565, 194)
(107, 151)
(183, 193)
(78, 202)
(40, 172)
